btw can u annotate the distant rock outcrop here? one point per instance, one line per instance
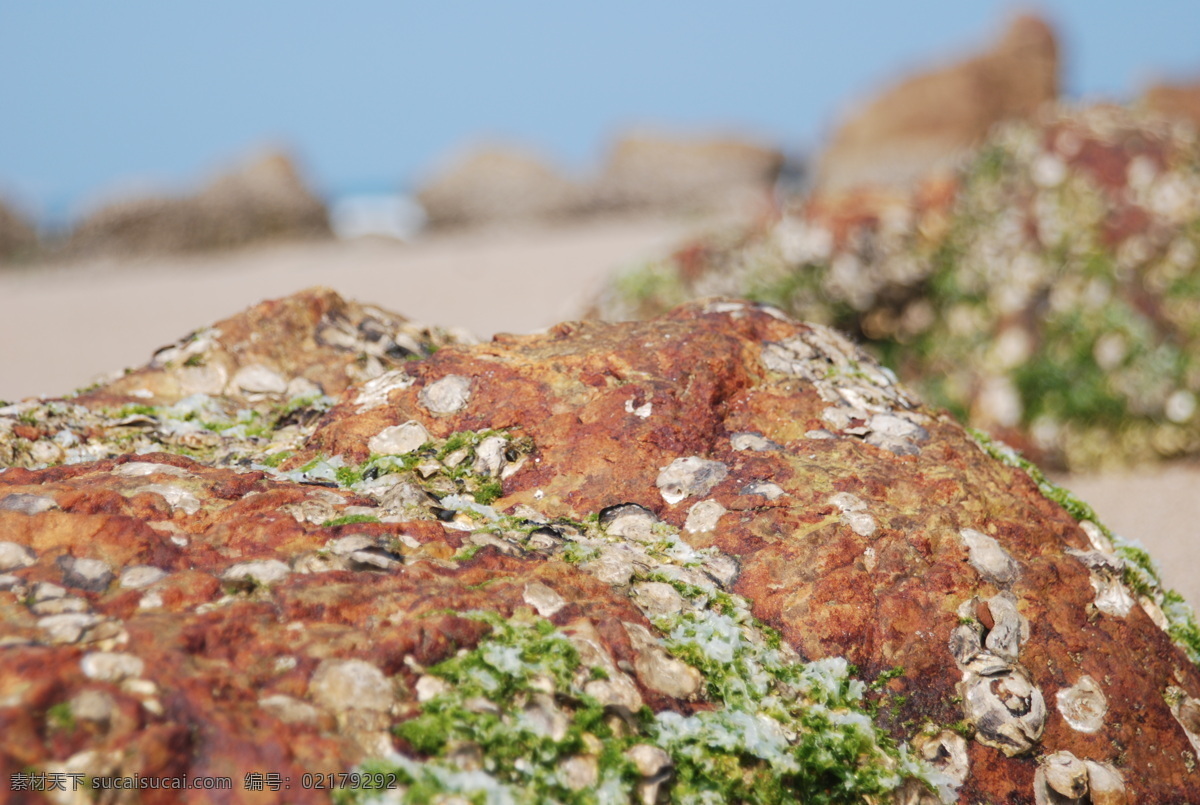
(925, 124)
(668, 175)
(18, 236)
(682, 174)
(650, 559)
(498, 185)
(1180, 101)
(264, 199)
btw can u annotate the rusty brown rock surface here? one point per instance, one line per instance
(640, 507)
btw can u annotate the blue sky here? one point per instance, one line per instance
(371, 94)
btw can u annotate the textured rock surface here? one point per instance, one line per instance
(1049, 293)
(263, 199)
(925, 124)
(524, 580)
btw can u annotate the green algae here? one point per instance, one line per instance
(350, 519)
(781, 730)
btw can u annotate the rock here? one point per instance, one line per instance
(497, 186)
(1178, 101)
(957, 283)
(580, 772)
(920, 127)
(735, 625)
(650, 171)
(18, 237)
(185, 398)
(263, 199)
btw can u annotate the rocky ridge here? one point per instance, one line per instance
(604, 563)
(1047, 292)
(263, 199)
(642, 173)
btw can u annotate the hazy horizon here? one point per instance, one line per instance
(372, 96)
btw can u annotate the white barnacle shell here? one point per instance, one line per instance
(1010, 628)
(1107, 786)
(1105, 571)
(1186, 710)
(946, 751)
(992, 561)
(1083, 705)
(1006, 709)
(689, 476)
(1060, 775)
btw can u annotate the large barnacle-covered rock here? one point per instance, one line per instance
(1047, 292)
(717, 556)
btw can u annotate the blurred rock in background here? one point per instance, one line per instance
(497, 184)
(1048, 292)
(263, 199)
(18, 237)
(923, 126)
(681, 174)
(671, 175)
(1177, 100)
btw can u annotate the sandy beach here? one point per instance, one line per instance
(71, 322)
(67, 324)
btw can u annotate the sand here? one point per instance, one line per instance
(72, 322)
(64, 325)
